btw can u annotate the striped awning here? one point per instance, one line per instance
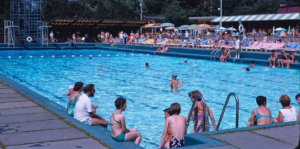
(260, 17)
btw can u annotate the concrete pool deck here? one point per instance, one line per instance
(24, 124)
(29, 120)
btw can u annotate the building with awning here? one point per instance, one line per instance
(261, 17)
(65, 27)
(260, 21)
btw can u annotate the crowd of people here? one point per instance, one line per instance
(81, 108)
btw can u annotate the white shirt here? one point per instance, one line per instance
(237, 44)
(121, 36)
(82, 108)
(289, 114)
(265, 39)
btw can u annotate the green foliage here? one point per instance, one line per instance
(175, 11)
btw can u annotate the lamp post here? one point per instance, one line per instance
(141, 5)
(221, 1)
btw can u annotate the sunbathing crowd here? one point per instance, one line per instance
(81, 108)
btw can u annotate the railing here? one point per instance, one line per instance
(112, 46)
(213, 54)
(224, 108)
(204, 110)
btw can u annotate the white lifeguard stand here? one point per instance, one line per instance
(9, 33)
(43, 36)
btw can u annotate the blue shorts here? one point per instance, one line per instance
(88, 121)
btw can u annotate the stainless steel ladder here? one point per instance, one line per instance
(192, 109)
(112, 46)
(224, 108)
(213, 54)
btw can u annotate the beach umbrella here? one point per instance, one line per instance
(183, 26)
(220, 29)
(203, 25)
(193, 26)
(280, 29)
(167, 24)
(148, 25)
(170, 28)
(230, 29)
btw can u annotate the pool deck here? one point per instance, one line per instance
(24, 124)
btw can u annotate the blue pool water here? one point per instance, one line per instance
(147, 91)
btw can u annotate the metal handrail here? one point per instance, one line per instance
(192, 109)
(224, 108)
(214, 52)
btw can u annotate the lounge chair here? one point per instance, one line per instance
(276, 46)
(255, 43)
(257, 47)
(294, 47)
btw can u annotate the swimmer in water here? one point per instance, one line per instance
(174, 83)
(184, 62)
(90, 57)
(252, 64)
(195, 66)
(147, 65)
(248, 69)
(70, 91)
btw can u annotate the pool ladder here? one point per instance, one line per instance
(113, 46)
(214, 53)
(204, 110)
(236, 108)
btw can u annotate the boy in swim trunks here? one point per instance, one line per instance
(174, 83)
(178, 125)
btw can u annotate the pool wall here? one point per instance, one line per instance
(246, 56)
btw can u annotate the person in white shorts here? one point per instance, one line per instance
(84, 108)
(237, 48)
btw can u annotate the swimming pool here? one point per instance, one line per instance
(50, 72)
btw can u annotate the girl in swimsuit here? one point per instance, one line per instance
(261, 115)
(119, 132)
(74, 97)
(169, 134)
(223, 56)
(291, 60)
(198, 114)
(282, 60)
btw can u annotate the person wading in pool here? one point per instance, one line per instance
(147, 65)
(174, 83)
(119, 132)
